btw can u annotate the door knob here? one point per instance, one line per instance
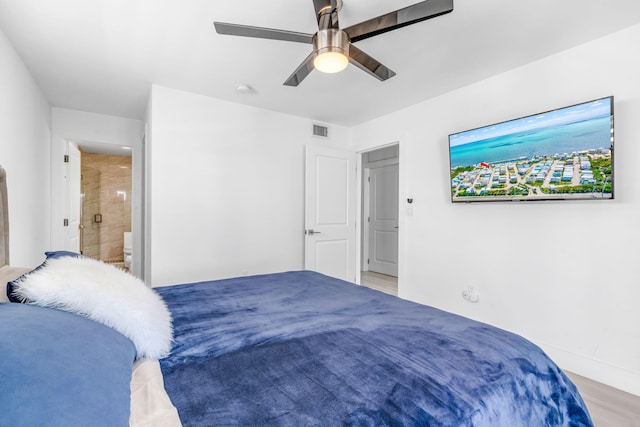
(311, 232)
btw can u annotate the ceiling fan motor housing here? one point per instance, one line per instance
(331, 40)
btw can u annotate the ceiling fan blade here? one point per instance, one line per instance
(399, 18)
(369, 64)
(301, 72)
(262, 33)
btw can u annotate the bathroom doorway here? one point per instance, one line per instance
(105, 218)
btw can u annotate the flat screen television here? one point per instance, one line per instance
(563, 154)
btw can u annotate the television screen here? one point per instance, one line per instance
(565, 153)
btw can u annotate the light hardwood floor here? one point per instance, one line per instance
(608, 406)
(379, 282)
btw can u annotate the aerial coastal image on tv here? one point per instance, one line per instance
(561, 154)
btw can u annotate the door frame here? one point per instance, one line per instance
(58, 188)
(365, 206)
(402, 204)
(72, 198)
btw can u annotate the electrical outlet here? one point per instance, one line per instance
(471, 294)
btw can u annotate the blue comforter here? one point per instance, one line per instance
(303, 349)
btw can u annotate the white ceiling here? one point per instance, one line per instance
(103, 55)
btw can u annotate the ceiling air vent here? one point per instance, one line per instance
(321, 131)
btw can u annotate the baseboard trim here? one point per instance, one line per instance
(596, 370)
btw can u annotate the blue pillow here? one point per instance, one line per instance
(60, 254)
(61, 369)
(12, 298)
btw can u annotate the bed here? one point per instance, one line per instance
(301, 348)
(87, 344)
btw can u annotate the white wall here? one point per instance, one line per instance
(80, 126)
(579, 301)
(226, 192)
(24, 153)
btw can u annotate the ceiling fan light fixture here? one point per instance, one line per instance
(330, 62)
(330, 50)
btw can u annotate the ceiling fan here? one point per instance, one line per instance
(333, 47)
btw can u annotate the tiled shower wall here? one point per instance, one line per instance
(106, 189)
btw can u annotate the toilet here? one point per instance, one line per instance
(128, 249)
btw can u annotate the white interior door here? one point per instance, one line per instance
(383, 220)
(330, 212)
(72, 199)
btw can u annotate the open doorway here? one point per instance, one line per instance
(380, 196)
(99, 187)
(105, 218)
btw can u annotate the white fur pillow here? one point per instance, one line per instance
(104, 294)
